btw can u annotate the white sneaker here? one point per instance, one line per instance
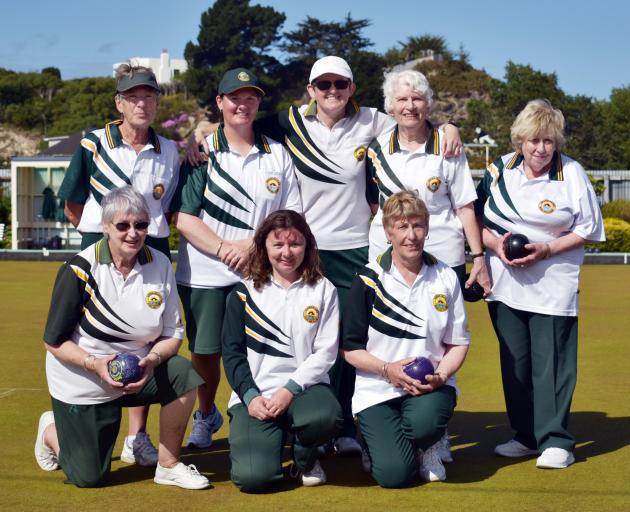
(445, 448)
(140, 450)
(346, 445)
(513, 448)
(431, 467)
(44, 455)
(186, 477)
(555, 458)
(203, 428)
(315, 476)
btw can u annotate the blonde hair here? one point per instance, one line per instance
(538, 118)
(404, 205)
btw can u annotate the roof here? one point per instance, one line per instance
(65, 147)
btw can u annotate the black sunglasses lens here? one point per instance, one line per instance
(123, 227)
(324, 85)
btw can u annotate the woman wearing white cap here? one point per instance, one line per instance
(328, 140)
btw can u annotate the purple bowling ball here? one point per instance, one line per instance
(124, 368)
(419, 368)
(514, 247)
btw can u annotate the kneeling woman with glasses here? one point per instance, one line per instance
(116, 296)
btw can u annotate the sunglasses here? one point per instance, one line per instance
(123, 227)
(324, 85)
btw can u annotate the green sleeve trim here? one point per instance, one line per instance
(189, 194)
(293, 387)
(249, 395)
(76, 182)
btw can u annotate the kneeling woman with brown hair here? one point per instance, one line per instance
(279, 341)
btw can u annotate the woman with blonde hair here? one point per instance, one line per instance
(539, 192)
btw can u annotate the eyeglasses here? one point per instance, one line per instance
(324, 85)
(123, 227)
(134, 99)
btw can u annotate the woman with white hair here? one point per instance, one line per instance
(116, 296)
(409, 156)
(543, 194)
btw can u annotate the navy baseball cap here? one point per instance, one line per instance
(137, 78)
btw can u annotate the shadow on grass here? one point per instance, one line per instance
(475, 434)
(473, 438)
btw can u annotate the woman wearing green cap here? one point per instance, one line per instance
(218, 205)
(328, 140)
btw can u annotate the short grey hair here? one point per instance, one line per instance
(127, 201)
(414, 79)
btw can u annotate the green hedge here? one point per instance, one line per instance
(617, 236)
(617, 209)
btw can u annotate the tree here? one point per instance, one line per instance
(416, 47)
(617, 127)
(314, 39)
(232, 34)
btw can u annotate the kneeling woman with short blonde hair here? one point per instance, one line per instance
(406, 304)
(279, 341)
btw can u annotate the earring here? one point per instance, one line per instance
(389, 242)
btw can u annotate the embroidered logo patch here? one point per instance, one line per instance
(440, 303)
(154, 300)
(433, 183)
(273, 185)
(359, 153)
(311, 314)
(547, 206)
(243, 77)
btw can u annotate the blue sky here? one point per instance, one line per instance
(587, 44)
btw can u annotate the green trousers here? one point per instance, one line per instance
(87, 433)
(539, 371)
(313, 417)
(394, 430)
(339, 267)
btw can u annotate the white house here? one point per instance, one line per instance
(165, 68)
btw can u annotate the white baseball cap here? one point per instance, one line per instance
(330, 64)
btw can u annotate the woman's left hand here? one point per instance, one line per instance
(148, 362)
(538, 251)
(437, 380)
(279, 402)
(452, 143)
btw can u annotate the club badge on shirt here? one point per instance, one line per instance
(154, 300)
(311, 314)
(433, 183)
(547, 206)
(158, 191)
(273, 185)
(440, 303)
(359, 153)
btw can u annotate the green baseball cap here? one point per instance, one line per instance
(238, 78)
(137, 78)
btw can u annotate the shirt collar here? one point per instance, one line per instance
(352, 108)
(555, 171)
(114, 137)
(104, 256)
(385, 259)
(431, 147)
(221, 145)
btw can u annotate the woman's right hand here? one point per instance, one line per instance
(101, 369)
(394, 372)
(497, 247)
(259, 408)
